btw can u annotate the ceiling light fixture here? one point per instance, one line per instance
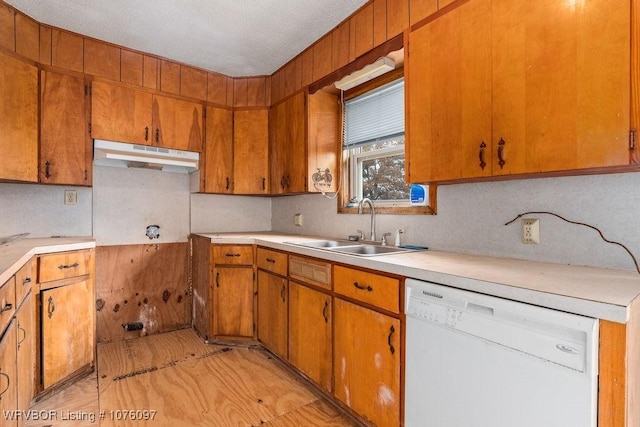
(371, 71)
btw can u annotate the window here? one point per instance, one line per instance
(374, 145)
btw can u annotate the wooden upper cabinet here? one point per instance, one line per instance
(27, 37)
(512, 105)
(102, 59)
(67, 50)
(323, 141)
(177, 123)
(219, 151)
(120, 113)
(251, 151)
(65, 149)
(19, 124)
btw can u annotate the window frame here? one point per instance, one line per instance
(345, 206)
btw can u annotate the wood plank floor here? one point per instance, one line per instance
(174, 379)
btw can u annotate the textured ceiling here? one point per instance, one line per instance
(233, 37)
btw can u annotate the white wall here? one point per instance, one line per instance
(471, 219)
(219, 213)
(40, 210)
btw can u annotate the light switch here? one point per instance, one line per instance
(297, 219)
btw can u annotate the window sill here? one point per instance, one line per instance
(391, 210)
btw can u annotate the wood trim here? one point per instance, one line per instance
(441, 11)
(394, 44)
(611, 383)
(633, 365)
(635, 77)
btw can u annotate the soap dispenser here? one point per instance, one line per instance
(398, 233)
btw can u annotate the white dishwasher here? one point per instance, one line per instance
(474, 360)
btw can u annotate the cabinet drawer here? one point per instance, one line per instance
(64, 265)
(232, 254)
(7, 302)
(381, 291)
(24, 279)
(273, 261)
(310, 271)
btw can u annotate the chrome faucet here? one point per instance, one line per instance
(373, 216)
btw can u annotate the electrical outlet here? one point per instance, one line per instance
(70, 197)
(531, 231)
(297, 219)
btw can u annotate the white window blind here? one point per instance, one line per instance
(376, 116)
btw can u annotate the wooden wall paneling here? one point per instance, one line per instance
(443, 3)
(101, 59)
(267, 91)
(340, 40)
(150, 72)
(27, 37)
(240, 92)
(397, 17)
(256, 92)
(67, 50)
(216, 88)
(230, 91)
(322, 57)
(289, 84)
(45, 45)
(276, 86)
(307, 67)
(131, 67)
(420, 9)
(7, 27)
(361, 39)
(297, 64)
(170, 77)
(193, 83)
(142, 283)
(201, 285)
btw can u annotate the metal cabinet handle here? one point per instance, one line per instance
(7, 307)
(483, 164)
(392, 331)
(157, 135)
(264, 185)
(282, 292)
(8, 383)
(231, 255)
(51, 308)
(324, 312)
(501, 160)
(146, 133)
(228, 183)
(63, 266)
(47, 171)
(271, 260)
(217, 279)
(24, 336)
(362, 287)
(26, 280)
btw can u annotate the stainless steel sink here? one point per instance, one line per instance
(325, 244)
(370, 250)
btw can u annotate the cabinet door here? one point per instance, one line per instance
(233, 301)
(296, 149)
(19, 123)
(367, 362)
(277, 144)
(219, 151)
(8, 374)
(67, 330)
(65, 153)
(177, 123)
(323, 139)
(250, 151)
(310, 333)
(448, 93)
(272, 312)
(121, 114)
(561, 87)
(26, 352)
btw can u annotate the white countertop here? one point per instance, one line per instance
(16, 254)
(589, 291)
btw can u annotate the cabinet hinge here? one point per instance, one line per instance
(89, 128)
(86, 175)
(632, 139)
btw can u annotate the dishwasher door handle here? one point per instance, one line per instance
(480, 309)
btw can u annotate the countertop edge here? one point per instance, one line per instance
(572, 304)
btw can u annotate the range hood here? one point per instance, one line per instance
(120, 154)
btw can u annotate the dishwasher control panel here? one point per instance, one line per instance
(433, 312)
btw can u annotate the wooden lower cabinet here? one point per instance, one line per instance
(272, 312)
(366, 358)
(8, 373)
(67, 330)
(310, 320)
(233, 301)
(26, 355)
